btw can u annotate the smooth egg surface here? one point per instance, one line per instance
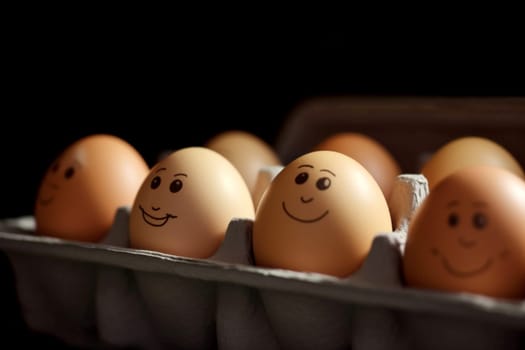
(83, 188)
(370, 153)
(248, 153)
(467, 235)
(186, 202)
(319, 214)
(467, 151)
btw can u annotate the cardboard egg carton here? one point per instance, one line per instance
(107, 295)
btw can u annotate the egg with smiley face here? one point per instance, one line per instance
(319, 214)
(368, 151)
(467, 235)
(186, 202)
(85, 185)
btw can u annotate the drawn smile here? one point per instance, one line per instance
(156, 221)
(466, 243)
(46, 201)
(303, 220)
(463, 273)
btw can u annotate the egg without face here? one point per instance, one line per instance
(467, 235)
(83, 188)
(248, 153)
(467, 151)
(319, 214)
(186, 203)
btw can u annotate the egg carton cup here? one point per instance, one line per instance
(107, 295)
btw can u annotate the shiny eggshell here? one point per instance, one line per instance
(467, 151)
(83, 188)
(248, 153)
(319, 214)
(186, 202)
(375, 157)
(468, 235)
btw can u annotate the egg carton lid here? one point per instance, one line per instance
(410, 127)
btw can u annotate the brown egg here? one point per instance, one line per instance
(186, 202)
(83, 188)
(319, 214)
(368, 152)
(467, 235)
(467, 151)
(248, 153)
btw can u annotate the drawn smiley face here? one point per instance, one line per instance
(81, 191)
(319, 214)
(472, 233)
(466, 235)
(59, 175)
(186, 203)
(155, 215)
(307, 198)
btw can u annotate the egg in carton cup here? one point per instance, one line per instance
(146, 298)
(192, 303)
(414, 130)
(112, 294)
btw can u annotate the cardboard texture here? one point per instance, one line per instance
(103, 295)
(107, 295)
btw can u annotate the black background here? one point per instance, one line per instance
(161, 87)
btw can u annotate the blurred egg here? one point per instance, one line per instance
(319, 214)
(466, 151)
(371, 154)
(265, 177)
(468, 235)
(186, 203)
(83, 188)
(248, 153)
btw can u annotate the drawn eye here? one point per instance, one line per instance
(68, 174)
(55, 166)
(479, 220)
(453, 220)
(301, 178)
(323, 183)
(155, 182)
(175, 186)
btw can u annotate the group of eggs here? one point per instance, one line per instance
(319, 213)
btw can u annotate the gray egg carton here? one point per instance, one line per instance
(110, 296)
(107, 295)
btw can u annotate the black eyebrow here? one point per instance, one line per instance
(453, 203)
(180, 174)
(159, 169)
(328, 171)
(306, 165)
